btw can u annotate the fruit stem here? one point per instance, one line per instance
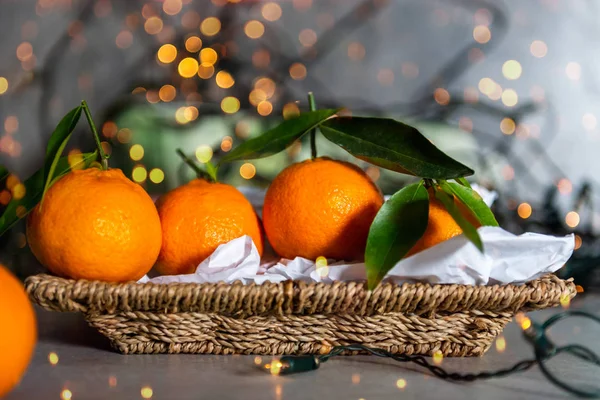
(103, 156)
(313, 133)
(200, 173)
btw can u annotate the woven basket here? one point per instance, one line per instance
(295, 317)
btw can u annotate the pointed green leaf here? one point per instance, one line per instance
(211, 169)
(468, 229)
(57, 143)
(278, 138)
(398, 226)
(392, 145)
(34, 188)
(463, 182)
(473, 201)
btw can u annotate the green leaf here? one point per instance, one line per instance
(278, 138)
(468, 229)
(473, 201)
(463, 182)
(392, 145)
(212, 170)
(57, 143)
(34, 186)
(4, 173)
(398, 226)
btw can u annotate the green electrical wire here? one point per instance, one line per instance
(535, 333)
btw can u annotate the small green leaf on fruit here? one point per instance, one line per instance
(398, 226)
(468, 229)
(212, 170)
(392, 145)
(57, 143)
(473, 201)
(463, 182)
(280, 137)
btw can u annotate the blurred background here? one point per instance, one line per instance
(507, 87)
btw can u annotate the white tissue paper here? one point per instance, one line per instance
(507, 259)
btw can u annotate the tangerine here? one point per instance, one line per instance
(19, 332)
(198, 217)
(321, 207)
(96, 225)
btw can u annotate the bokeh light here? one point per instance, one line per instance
(136, 152)
(247, 170)
(208, 56)
(3, 85)
(124, 39)
(153, 25)
(172, 7)
(206, 70)
(167, 93)
(401, 384)
(146, 392)
(356, 51)
(167, 53)
(230, 105)
(254, 29)
(188, 67)
(307, 37)
(538, 48)
(224, 80)
(512, 69)
(524, 210)
(290, 110)
(509, 98)
(441, 96)
(572, 219)
(210, 26)
(139, 174)
(500, 344)
(482, 34)
(298, 71)
(66, 394)
(193, 44)
(589, 121)
(226, 143)
(264, 108)
(53, 358)
(507, 126)
(271, 11)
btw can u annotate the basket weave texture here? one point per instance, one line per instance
(296, 317)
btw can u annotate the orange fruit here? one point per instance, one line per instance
(440, 225)
(321, 207)
(96, 225)
(198, 217)
(18, 333)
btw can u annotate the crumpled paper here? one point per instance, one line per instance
(508, 258)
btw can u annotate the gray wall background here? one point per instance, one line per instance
(75, 60)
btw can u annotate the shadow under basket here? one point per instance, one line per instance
(296, 317)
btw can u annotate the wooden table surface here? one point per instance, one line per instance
(89, 369)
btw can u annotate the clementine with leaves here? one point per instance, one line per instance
(198, 217)
(96, 225)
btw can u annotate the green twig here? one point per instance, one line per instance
(200, 173)
(313, 133)
(103, 156)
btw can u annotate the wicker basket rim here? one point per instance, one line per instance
(295, 297)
